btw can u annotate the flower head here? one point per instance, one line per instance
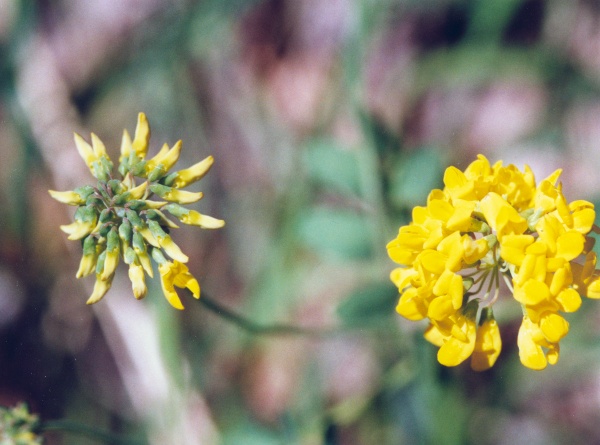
(117, 218)
(18, 425)
(493, 222)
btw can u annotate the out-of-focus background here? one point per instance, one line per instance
(329, 120)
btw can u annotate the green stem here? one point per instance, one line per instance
(69, 426)
(260, 329)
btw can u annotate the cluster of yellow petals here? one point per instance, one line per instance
(493, 221)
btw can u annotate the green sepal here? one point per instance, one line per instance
(137, 204)
(84, 191)
(470, 310)
(130, 256)
(158, 256)
(138, 242)
(112, 240)
(105, 216)
(102, 168)
(161, 218)
(138, 168)
(89, 245)
(176, 210)
(141, 204)
(86, 214)
(487, 314)
(102, 189)
(159, 189)
(169, 179)
(134, 219)
(104, 229)
(157, 173)
(156, 229)
(124, 167)
(94, 200)
(100, 262)
(125, 231)
(115, 186)
(121, 198)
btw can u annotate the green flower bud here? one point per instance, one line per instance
(134, 219)
(118, 218)
(125, 232)
(158, 256)
(100, 263)
(130, 256)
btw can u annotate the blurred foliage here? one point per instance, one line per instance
(329, 121)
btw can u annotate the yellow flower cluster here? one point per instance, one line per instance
(18, 426)
(117, 218)
(488, 222)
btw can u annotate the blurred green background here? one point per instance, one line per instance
(329, 120)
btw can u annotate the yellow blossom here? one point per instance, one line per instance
(493, 223)
(177, 274)
(488, 345)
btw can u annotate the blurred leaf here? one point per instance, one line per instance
(415, 176)
(383, 138)
(340, 232)
(489, 19)
(250, 434)
(369, 305)
(471, 65)
(332, 166)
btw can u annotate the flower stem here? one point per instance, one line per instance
(93, 433)
(260, 329)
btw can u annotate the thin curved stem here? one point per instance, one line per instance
(260, 329)
(68, 426)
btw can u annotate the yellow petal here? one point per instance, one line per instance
(530, 353)
(197, 219)
(488, 345)
(125, 146)
(138, 282)
(192, 174)
(554, 327)
(101, 287)
(172, 249)
(142, 136)
(69, 197)
(569, 245)
(98, 147)
(411, 306)
(457, 348)
(78, 229)
(85, 150)
(532, 292)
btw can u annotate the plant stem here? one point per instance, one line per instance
(69, 426)
(260, 329)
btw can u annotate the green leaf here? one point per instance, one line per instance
(369, 305)
(414, 176)
(335, 231)
(329, 165)
(250, 434)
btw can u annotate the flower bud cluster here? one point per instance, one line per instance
(18, 425)
(491, 223)
(120, 218)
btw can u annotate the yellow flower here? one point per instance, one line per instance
(455, 335)
(188, 176)
(177, 274)
(492, 222)
(138, 281)
(488, 343)
(118, 217)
